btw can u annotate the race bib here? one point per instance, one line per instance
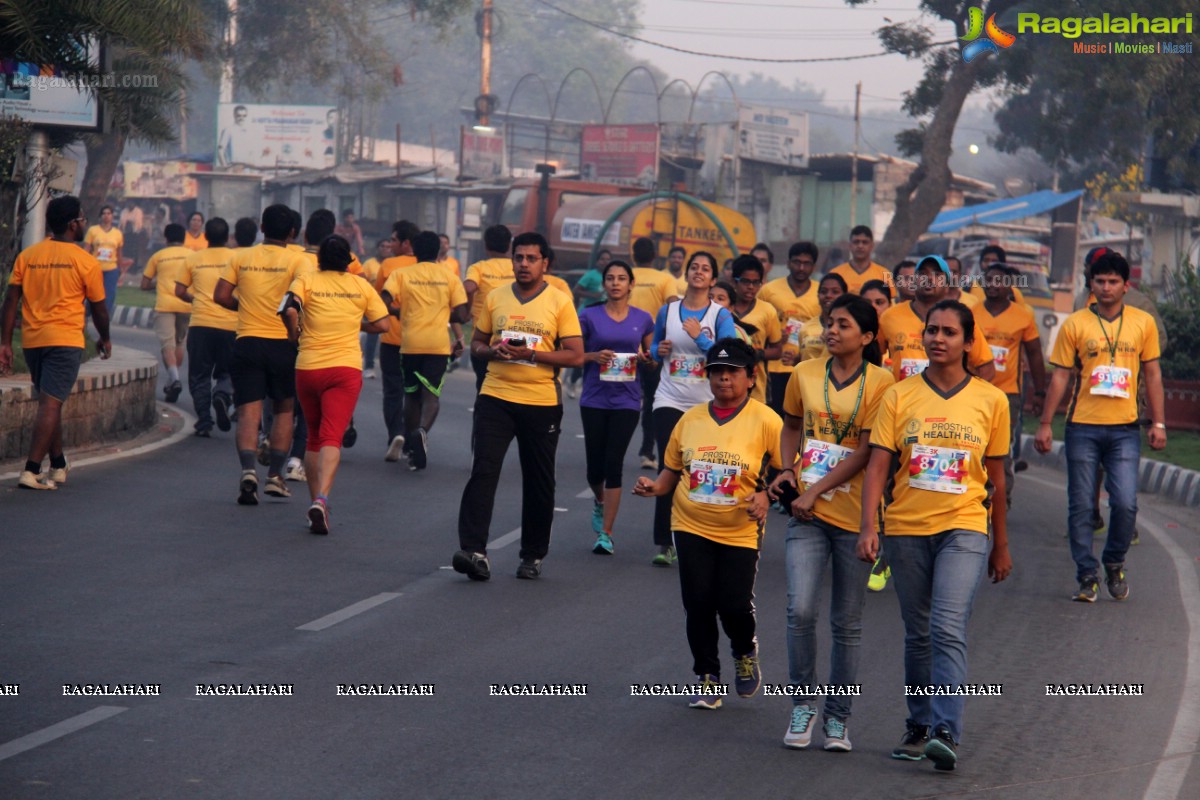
(1000, 358)
(686, 369)
(713, 484)
(912, 366)
(1110, 381)
(938, 469)
(621, 369)
(791, 331)
(818, 459)
(532, 340)
(106, 254)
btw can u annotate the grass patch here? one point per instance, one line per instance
(1183, 447)
(133, 296)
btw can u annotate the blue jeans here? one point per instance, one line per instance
(1118, 449)
(809, 546)
(936, 578)
(110, 290)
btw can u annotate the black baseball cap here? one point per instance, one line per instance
(730, 353)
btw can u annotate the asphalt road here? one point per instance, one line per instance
(145, 571)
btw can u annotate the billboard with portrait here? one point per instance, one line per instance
(276, 136)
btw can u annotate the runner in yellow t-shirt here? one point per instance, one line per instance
(391, 370)
(714, 467)
(383, 251)
(829, 412)
(50, 283)
(1013, 337)
(812, 333)
(193, 238)
(105, 241)
(171, 314)
(428, 299)
(860, 268)
(445, 259)
(483, 277)
(1112, 345)
(528, 332)
(947, 431)
(264, 361)
(749, 309)
(334, 307)
(902, 326)
(794, 296)
(212, 332)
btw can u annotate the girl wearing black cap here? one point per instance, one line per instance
(714, 468)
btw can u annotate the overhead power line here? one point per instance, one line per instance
(631, 37)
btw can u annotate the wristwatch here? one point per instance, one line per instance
(1160, 425)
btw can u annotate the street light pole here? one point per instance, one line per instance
(485, 65)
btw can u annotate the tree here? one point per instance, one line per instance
(936, 103)
(1088, 114)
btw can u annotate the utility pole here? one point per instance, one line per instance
(854, 158)
(485, 104)
(226, 88)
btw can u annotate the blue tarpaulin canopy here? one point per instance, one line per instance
(1002, 210)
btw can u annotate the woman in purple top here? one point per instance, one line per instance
(616, 338)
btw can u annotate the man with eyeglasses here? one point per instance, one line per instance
(794, 296)
(757, 317)
(49, 283)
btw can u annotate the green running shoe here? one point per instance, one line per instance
(604, 545)
(666, 557)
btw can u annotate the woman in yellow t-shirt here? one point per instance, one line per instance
(812, 333)
(714, 468)
(333, 307)
(948, 432)
(829, 410)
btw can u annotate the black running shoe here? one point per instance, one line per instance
(418, 453)
(912, 744)
(474, 565)
(172, 391)
(1114, 577)
(1089, 587)
(942, 750)
(530, 569)
(221, 403)
(350, 436)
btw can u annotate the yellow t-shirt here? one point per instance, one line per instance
(651, 289)
(544, 321)
(812, 340)
(370, 269)
(390, 265)
(903, 332)
(1005, 334)
(852, 414)
(201, 271)
(794, 311)
(1085, 342)
(334, 305)
(941, 442)
(763, 316)
(681, 286)
(105, 245)
(721, 464)
(558, 283)
(353, 268)
(487, 275)
(55, 278)
(453, 267)
(979, 294)
(195, 242)
(854, 281)
(262, 274)
(426, 294)
(969, 300)
(167, 265)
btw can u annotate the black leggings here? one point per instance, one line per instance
(606, 436)
(717, 583)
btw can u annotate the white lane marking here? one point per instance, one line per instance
(579, 436)
(58, 730)
(556, 508)
(349, 611)
(179, 435)
(1167, 781)
(583, 494)
(505, 540)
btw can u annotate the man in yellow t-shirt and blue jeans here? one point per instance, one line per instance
(528, 332)
(1112, 345)
(50, 282)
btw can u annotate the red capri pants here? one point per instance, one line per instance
(328, 397)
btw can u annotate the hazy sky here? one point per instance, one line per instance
(782, 29)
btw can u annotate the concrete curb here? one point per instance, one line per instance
(1154, 477)
(133, 317)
